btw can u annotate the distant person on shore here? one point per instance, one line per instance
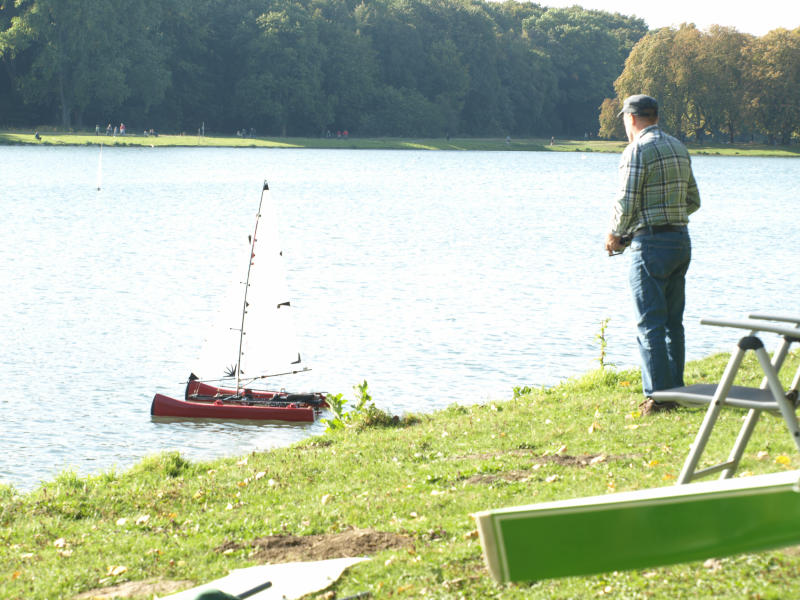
(97, 129)
(37, 136)
(657, 194)
(108, 129)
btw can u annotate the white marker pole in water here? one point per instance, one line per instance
(100, 168)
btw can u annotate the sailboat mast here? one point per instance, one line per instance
(247, 286)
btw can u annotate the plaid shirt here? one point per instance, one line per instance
(657, 186)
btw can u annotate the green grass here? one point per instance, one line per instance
(167, 518)
(486, 144)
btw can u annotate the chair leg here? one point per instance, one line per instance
(786, 407)
(753, 415)
(741, 443)
(704, 433)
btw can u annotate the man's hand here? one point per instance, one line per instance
(614, 244)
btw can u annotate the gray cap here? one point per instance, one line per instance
(640, 105)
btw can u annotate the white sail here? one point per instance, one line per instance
(256, 328)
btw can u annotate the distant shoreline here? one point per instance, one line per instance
(9, 138)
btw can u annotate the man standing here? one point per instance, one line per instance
(657, 194)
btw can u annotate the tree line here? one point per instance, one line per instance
(720, 82)
(306, 67)
(383, 67)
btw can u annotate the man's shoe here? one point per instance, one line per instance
(650, 406)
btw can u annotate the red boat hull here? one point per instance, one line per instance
(164, 406)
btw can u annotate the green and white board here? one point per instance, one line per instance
(641, 529)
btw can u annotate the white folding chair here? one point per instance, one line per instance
(770, 396)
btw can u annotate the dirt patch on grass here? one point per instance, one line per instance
(291, 548)
(564, 460)
(136, 589)
(271, 549)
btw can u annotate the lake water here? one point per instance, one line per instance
(438, 277)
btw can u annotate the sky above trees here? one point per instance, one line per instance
(757, 19)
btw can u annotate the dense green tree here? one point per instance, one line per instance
(529, 77)
(110, 51)
(721, 68)
(383, 67)
(12, 111)
(588, 49)
(651, 69)
(718, 82)
(774, 73)
(192, 48)
(281, 88)
(350, 70)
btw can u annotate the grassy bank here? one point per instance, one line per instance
(401, 494)
(486, 144)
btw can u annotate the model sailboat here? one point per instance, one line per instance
(255, 340)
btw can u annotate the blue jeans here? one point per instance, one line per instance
(659, 262)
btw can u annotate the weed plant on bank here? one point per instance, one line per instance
(416, 478)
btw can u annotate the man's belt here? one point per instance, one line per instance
(651, 229)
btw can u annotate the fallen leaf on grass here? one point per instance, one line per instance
(598, 459)
(713, 564)
(60, 543)
(16, 574)
(594, 427)
(143, 519)
(783, 460)
(116, 570)
(762, 455)
(551, 479)
(633, 426)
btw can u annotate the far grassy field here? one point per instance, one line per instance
(485, 144)
(399, 492)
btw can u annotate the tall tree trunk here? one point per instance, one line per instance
(65, 112)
